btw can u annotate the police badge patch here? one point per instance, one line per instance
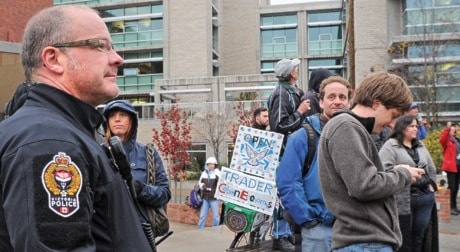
(61, 179)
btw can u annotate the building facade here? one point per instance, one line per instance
(199, 53)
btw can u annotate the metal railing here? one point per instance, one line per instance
(196, 110)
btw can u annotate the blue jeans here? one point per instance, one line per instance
(366, 247)
(214, 204)
(281, 228)
(318, 238)
(421, 207)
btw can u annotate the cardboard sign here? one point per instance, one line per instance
(246, 190)
(257, 152)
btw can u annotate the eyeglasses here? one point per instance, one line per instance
(100, 43)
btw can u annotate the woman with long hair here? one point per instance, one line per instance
(415, 203)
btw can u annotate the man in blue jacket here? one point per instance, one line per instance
(301, 195)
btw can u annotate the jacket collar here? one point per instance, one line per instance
(76, 111)
(367, 122)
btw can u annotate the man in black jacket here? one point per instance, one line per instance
(286, 115)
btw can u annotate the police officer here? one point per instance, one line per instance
(59, 191)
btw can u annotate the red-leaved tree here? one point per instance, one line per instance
(173, 142)
(242, 118)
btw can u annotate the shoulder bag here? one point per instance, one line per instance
(157, 215)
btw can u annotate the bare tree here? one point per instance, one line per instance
(213, 128)
(422, 57)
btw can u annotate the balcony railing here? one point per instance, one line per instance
(325, 47)
(138, 82)
(198, 110)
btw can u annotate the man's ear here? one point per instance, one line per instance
(52, 59)
(376, 103)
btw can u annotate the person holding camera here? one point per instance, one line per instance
(208, 185)
(60, 192)
(122, 121)
(416, 204)
(451, 162)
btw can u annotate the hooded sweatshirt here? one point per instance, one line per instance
(317, 76)
(150, 195)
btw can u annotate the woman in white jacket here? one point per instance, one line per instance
(208, 184)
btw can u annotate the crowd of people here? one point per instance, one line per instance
(381, 201)
(354, 174)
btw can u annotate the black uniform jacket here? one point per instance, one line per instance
(58, 190)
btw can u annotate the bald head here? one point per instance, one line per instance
(48, 27)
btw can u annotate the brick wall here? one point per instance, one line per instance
(443, 204)
(182, 213)
(14, 16)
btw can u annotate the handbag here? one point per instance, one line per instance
(157, 215)
(195, 197)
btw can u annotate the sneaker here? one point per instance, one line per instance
(453, 212)
(283, 244)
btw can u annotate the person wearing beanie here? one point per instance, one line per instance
(312, 94)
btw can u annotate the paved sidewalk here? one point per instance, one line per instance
(449, 235)
(188, 238)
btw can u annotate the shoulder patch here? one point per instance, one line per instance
(62, 180)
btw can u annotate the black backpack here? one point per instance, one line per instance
(312, 138)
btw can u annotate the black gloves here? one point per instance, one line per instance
(138, 187)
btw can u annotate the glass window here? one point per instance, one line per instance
(139, 32)
(197, 157)
(230, 148)
(420, 51)
(279, 43)
(431, 16)
(323, 16)
(413, 4)
(279, 36)
(112, 13)
(279, 20)
(335, 66)
(324, 33)
(325, 40)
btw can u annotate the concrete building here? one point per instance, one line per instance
(204, 54)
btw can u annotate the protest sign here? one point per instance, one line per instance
(246, 190)
(257, 152)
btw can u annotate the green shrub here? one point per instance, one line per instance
(192, 175)
(434, 147)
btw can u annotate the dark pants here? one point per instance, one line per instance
(453, 178)
(421, 207)
(413, 226)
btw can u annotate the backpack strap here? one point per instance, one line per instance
(149, 150)
(311, 138)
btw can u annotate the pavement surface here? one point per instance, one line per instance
(187, 238)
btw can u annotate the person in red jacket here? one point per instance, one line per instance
(451, 162)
